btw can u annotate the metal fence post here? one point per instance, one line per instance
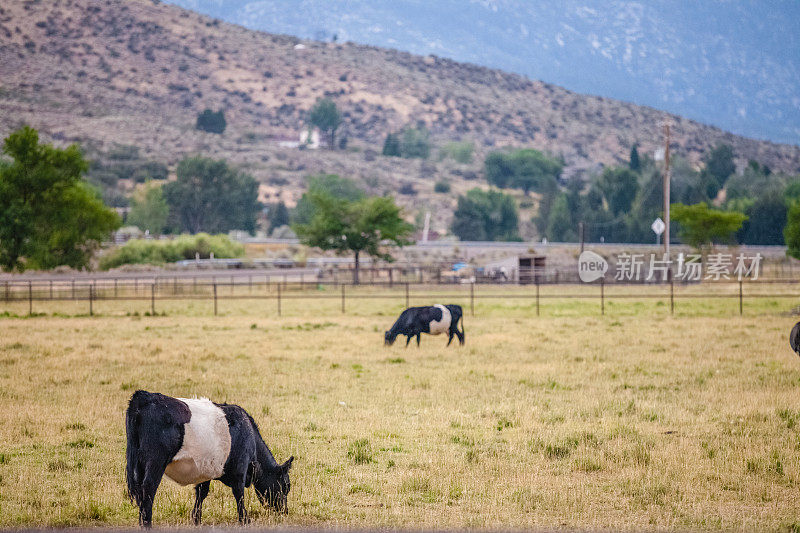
(30, 298)
(537, 297)
(406, 294)
(342, 298)
(91, 296)
(7, 290)
(51, 289)
(116, 284)
(73, 288)
(215, 298)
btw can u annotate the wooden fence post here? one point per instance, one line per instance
(279, 298)
(671, 296)
(537, 296)
(30, 298)
(740, 298)
(472, 298)
(406, 295)
(342, 298)
(153, 299)
(215, 298)
(91, 296)
(602, 296)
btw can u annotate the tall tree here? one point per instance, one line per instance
(527, 169)
(49, 215)
(391, 146)
(634, 163)
(766, 219)
(720, 163)
(325, 116)
(278, 216)
(149, 209)
(360, 226)
(701, 226)
(486, 216)
(534, 170)
(332, 184)
(619, 187)
(212, 197)
(791, 233)
(559, 225)
(499, 169)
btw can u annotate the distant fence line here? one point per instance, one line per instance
(158, 289)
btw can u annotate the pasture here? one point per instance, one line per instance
(631, 420)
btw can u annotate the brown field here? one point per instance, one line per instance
(631, 420)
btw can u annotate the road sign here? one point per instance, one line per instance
(658, 226)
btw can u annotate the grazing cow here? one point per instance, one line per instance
(794, 338)
(434, 320)
(193, 441)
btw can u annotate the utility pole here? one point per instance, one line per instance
(666, 191)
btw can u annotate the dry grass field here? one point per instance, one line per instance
(631, 420)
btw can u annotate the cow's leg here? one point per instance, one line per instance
(152, 478)
(238, 493)
(408, 339)
(200, 493)
(450, 337)
(418, 336)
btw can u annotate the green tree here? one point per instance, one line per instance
(210, 121)
(486, 216)
(332, 184)
(791, 233)
(634, 163)
(527, 169)
(499, 169)
(559, 224)
(460, 152)
(278, 216)
(619, 187)
(149, 209)
(700, 225)
(49, 215)
(325, 116)
(391, 146)
(415, 142)
(720, 163)
(766, 218)
(533, 170)
(359, 226)
(212, 197)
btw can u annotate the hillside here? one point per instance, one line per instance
(730, 63)
(138, 72)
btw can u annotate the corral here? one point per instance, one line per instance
(633, 419)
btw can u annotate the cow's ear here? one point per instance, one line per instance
(287, 465)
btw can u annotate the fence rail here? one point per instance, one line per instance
(37, 293)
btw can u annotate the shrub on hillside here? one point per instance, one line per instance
(140, 251)
(210, 121)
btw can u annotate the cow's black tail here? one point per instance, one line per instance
(139, 399)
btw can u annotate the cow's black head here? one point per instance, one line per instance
(272, 488)
(388, 339)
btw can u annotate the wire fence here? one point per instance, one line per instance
(86, 293)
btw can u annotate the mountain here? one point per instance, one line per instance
(137, 73)
(731, 63)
